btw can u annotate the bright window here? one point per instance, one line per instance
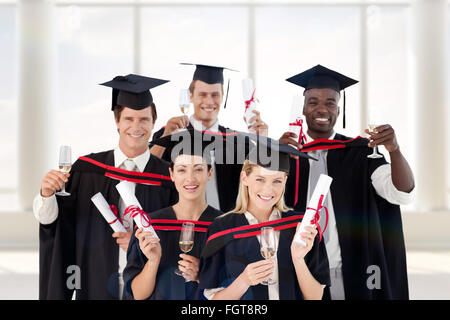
(291, 40)
(8, 107)
(93, 46)
(196, 34)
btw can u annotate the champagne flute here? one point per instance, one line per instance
(375, 154)
(65, 164)
(268, 248)
(184, 101)
(186, 241)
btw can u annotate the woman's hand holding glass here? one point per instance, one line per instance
(257, 272)
(189, 267)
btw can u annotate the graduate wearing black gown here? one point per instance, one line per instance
(80, 236)
(168, 285)
(207, 88)
(369, 227)
(221, 268)
(232, 246)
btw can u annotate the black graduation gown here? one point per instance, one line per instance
(227, 175)
(80, 235)
(369, 227)
(168, 286)
(222, 267)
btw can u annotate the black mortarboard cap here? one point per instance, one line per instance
(191, 142)
(132, 91)
(272, 154)
(210, 75)
(319, 77)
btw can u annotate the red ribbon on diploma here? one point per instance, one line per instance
(316, 218)
(116, 213)
(299, 122)
(252, 99)
(134, 211)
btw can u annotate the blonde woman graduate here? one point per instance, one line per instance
(232, 266)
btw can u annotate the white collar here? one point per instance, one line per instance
(140, 161)
(273, 216)
(198, 125)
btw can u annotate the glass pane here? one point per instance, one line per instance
(196, 35)
(388, 74)
(8, 108)
(292, 39)
(92, 47)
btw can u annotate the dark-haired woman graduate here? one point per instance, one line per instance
(149, 273)
(232, 266)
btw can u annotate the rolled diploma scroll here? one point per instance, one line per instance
(107, 213)
(295, 114)
(125, 189)
(322, 188)
(247, 88)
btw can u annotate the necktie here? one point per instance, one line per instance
(316, 169)
(129, 165)
(212, 197)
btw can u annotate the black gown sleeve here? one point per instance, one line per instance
(57, 246)
(317, 261)
(166, 154)
(212, 272)
(158, 134)
(135, 264)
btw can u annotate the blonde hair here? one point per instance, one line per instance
(242, 198)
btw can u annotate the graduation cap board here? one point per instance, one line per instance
(132, 91)
(192, 142)
(210, 75)
(319, 77)
(272, 154)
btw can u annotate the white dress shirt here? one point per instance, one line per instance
(382, 182)
(140, 162)
(212, 193)
(274, 292)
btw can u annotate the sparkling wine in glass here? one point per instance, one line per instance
(375, 154)
(268, 248)
(65, 164)
(185, 101)
(186, 241)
